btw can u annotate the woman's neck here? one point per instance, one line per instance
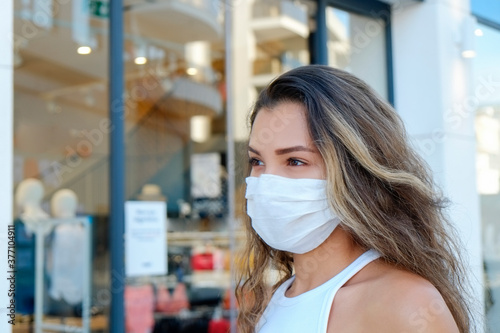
(314, 268)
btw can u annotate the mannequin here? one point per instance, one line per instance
(28, 197)
(151, 192)
(67, 259)
(64, 204)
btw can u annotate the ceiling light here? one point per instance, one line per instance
(141, 60)
(192, 71)
(478, 32)
(84, 50)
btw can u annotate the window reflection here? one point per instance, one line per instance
(357, 44)
(61, 131)
(270, 37)
(486, 75)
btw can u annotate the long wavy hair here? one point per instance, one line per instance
(378, 185)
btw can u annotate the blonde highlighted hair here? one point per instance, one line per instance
(377, 184)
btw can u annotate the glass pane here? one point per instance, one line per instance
(270, 37)
(486, 73)
(357, 44)
(61, 142)
(176, 153)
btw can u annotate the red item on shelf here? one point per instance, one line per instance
(202, 261)
(219, 326)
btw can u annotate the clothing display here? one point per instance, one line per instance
(196, 322)
(67, 264)
(25, 269)
(310, 311)
(139, 309)
(176, 325)
(219, 326)
(202, 261)
(174, 303)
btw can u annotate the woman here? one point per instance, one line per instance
(346, 212)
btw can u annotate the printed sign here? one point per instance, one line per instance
(205, 175)
(145, 238)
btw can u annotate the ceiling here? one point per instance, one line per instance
(58, 92)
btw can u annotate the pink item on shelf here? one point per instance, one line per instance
(174, 303)
(218, 258)
(180, 298)
(139, 308)
(163, 299)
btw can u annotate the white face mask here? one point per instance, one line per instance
(291, 215)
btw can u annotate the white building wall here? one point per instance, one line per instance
(433, 87)
(6, 110)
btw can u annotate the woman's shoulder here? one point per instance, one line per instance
(388, 299)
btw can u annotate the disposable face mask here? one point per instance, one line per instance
(291, 215)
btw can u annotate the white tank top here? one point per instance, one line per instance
(310, 311)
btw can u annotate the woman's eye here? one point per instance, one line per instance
(295, 162)
(255, 162)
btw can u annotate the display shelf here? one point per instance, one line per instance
(188, 314)
(98, 323)
(189, 238)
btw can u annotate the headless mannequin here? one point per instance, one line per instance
(28, 197)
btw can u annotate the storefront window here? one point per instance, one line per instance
(357, 44)
(61, 131)
(176, 140)
(486, 78)
(269, 38)
(176, 153)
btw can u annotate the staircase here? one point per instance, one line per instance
(160, 139)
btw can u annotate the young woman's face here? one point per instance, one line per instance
(280, 144)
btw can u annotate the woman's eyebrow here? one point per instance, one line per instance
(253, 150)
(283, 151)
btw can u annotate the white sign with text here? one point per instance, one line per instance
(145, 238)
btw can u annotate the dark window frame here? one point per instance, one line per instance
(487, 22)
(369, 8)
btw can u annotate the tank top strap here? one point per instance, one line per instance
(357, 265)
(343, 277)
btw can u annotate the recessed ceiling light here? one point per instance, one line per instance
(478, 32)
(84, 50)
(192, 71)
(140, 60)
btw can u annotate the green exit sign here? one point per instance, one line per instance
(99, 8)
